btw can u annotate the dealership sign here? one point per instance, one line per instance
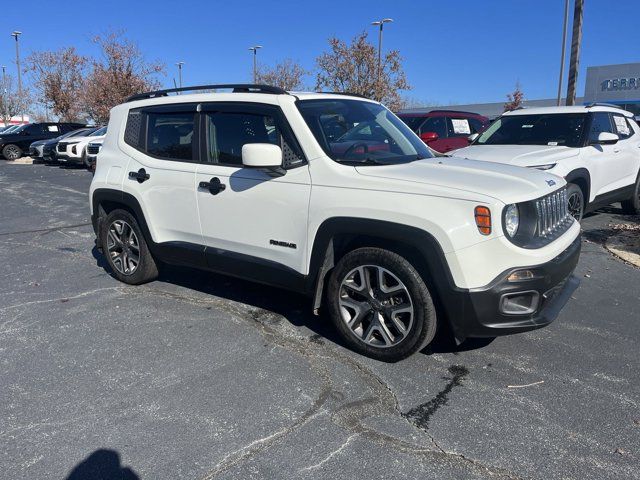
(614, 84)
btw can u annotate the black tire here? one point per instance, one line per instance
(422, 328)
(632, 205)
(11, 152)
(576, 201)
(146, 269)
(85, 160)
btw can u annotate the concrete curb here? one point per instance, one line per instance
(22, 161)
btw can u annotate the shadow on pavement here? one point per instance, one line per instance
(102, 465)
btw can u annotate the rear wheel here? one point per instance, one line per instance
(126, 249)
(575, 201)
(380, 304)
(12, 152)
(632, 205)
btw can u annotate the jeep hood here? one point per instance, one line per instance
(505, 183)
(521, 155)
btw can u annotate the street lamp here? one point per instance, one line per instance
(380, 24)
(4, 78)
(180, 64)
(254, 49)
(15, 34)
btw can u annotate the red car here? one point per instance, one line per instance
(445, 130)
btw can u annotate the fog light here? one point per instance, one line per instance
(519, 303)
(519, 275)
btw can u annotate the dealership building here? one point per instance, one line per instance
(614, 84)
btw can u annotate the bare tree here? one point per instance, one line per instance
(515, 99)
(287, 75)
(59, 80)
(122, 71)
(354, 68)
(11, 102)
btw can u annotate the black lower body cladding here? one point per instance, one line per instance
(481, 312)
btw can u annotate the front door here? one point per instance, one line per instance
(254, 222)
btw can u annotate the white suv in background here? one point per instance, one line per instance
(73, 150)
(333, 196)
(595, 148)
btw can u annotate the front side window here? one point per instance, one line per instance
(600, 122)
(436, 125)
(227, 132)
(359, 132)
(170, 135)
(540, 129)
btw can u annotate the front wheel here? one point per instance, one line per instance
(575, 201)
(632, 205)
(126, 249)
(380, 304)
(11, 152)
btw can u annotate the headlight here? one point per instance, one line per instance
(547, 166)
(511, 219)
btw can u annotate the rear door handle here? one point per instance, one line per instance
(140, 176)
(215, 186)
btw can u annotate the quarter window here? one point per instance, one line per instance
(170, 135)
(623, 129)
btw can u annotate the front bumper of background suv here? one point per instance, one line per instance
(507, 306)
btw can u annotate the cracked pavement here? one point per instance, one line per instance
(201, 376)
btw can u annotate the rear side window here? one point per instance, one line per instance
(476, 125)
(170, 135)
(600, 122)
(622, 126)
(458, 127)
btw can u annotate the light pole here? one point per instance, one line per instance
(254, 49)
(574, 60)
(380, 24)
(4, 78)
(15, 34)
(564, 48)
(180, 64)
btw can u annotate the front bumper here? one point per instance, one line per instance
(478, 313)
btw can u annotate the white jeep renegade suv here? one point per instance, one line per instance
(333, 196)
(596, 148)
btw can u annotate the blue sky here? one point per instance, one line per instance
(454, 51)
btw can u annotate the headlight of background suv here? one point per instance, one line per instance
(547, 166)
(511, 219)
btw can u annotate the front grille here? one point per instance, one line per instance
(553, 215)
(93, 149)
(62, 147)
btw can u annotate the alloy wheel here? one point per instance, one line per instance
(575, 206)
(376, 306)
(11, 153)
(123, 247)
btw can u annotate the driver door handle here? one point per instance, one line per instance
(215, 186)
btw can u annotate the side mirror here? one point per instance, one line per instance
(472, 137)
(606, 138)
(427, 137)
(263, 155)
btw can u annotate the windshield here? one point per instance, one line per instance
(19, 129)
(10, 129)
(545, 129)
(359, 132)
(99, 132)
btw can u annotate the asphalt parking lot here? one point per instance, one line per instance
(201, 376)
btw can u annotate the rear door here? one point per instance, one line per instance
(258, 222)
(629, 145)
(161, 174)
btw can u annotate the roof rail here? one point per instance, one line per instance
(348, 94)
(236, 87)
(602, 104)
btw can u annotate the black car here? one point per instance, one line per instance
(49, 148)
(14, 144)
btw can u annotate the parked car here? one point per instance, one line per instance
(13, 144)
(36, 148)
(92, 153)
(49, 148)
(259, 184)
(73, 150)
(595, 148)
(445, 130)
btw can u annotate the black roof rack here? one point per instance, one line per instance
(236, 87)
(601, 104)
(347, 93)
